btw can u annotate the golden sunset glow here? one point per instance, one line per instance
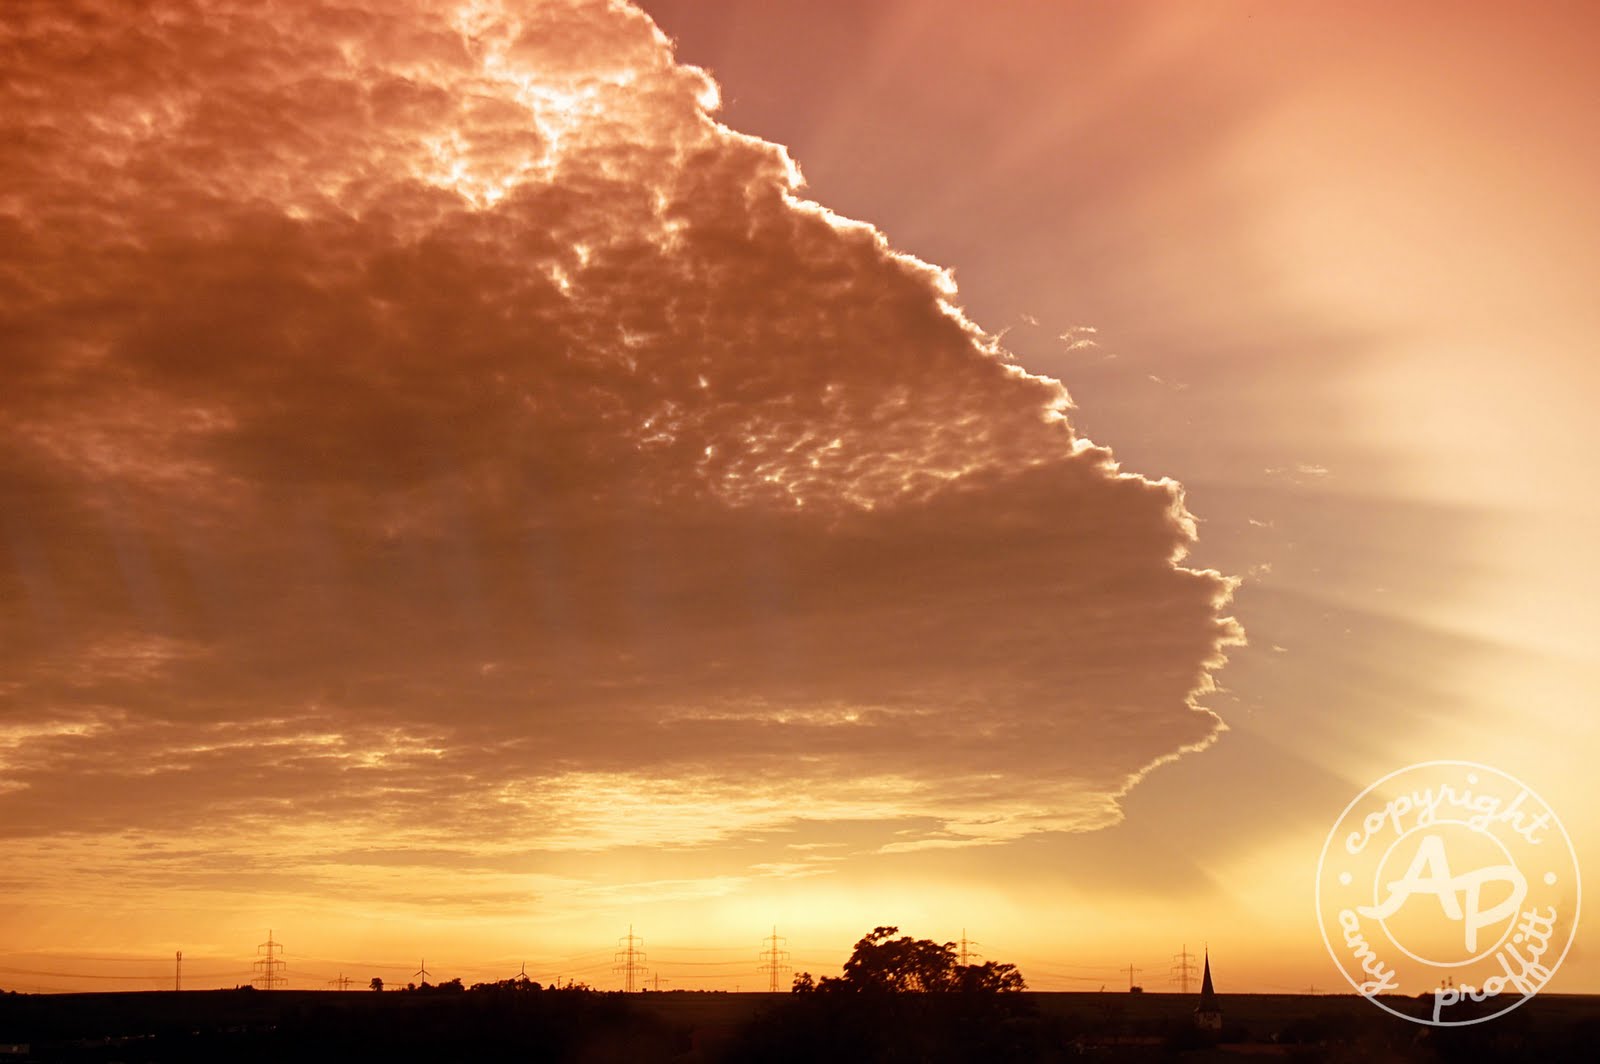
(476, 477)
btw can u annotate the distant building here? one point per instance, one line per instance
(1208, 1014)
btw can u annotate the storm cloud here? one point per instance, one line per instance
(433, 407)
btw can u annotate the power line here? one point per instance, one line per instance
(270, 966)
(629, 960)
(773, 960)
(124, 978)
(714, 979)
(1050, 977)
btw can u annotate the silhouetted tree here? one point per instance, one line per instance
(376, 984)
(881, 962)
(901, 1000)
(988, 978)
(516, 984)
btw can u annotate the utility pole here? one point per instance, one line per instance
(1185, 969)
(270, 965)
(966, 949)
(422, 972)
(773, 960)
(177, 973)
(630, 960)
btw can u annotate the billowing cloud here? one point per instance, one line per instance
(429, 424)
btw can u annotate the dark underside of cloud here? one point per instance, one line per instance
(444, 396)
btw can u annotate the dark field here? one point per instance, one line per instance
(582, 1026)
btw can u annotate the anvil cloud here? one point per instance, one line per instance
(427, 424)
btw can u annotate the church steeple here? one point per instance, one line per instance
(1208, 1014)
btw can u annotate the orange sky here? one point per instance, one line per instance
(460, 500)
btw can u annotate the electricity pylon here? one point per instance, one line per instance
(270, 965)
(773, 960)
(630, 960)
(966, 948)
(1185, 969)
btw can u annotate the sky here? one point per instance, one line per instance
(479, 477)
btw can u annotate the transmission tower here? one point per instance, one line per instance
(270, 965)
(1185, 969)
(655, 982)
(422, 972)
(1131, 970)
(343, 982)
(177, 972)
(630, 960)
(773, 960)
(966, 948)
